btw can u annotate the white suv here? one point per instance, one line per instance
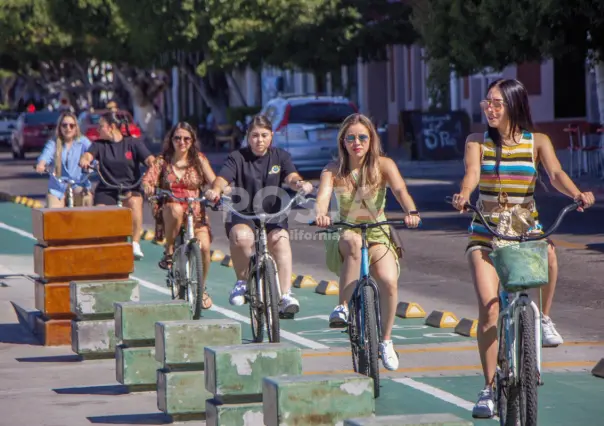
(307, 127)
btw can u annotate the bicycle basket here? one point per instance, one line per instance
(521, 266)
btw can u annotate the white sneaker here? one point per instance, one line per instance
(339, 317)
(237, 297)
(136, 250)
(289, 305)
(551, 337)
(389, 355)
(485, 406)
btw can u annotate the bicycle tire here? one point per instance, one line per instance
(528, 373)
(271, 301)
(366, 352)
(507, 410)
(256, 312)
(194, 284)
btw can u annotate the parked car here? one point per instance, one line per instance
(33, 130)
(8, 123)
(307, 127)
(89, 123)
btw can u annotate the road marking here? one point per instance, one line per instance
(322, 317)
(226, 312)
(436, 392)
(567, 244)
(400, 351)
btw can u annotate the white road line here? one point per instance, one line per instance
(438, 393)
(226, 312)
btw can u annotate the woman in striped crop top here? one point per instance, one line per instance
(502, 163)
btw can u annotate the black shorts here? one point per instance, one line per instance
(109, 196)
(236, 220)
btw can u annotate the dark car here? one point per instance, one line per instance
(32, 131)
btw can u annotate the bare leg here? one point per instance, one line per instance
(384, 270)
(241, 242)
(53, 202)
(350, 249)
(172, 214)
(280, 248)
(135, 203)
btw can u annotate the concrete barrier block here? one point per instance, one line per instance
(409, 310)
(182, 343)
(598, 369)
(244, 414)
(237, 370)
(316, 400)
(93, 338)
(135, 321)
(304, 281)
(96, 298)
(467, 327)
(136, 366)
(181, 392)
(329, 288)
(444, 419)
(442, 319)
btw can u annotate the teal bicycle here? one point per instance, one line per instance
(520, 267)
(364, 319)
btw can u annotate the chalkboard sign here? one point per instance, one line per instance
(435, 135)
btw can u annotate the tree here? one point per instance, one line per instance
(472, 36)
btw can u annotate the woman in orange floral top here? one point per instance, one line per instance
(182, 169)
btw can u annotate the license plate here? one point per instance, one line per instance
(325, 135)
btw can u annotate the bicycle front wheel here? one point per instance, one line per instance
(527, 368)
(271, 301)
(195, 285)
(256, 309)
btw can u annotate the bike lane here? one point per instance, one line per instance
(424, 351)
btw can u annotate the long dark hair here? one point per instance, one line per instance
(192, 153)
(113, 118)
(261, 121)
(515, 98)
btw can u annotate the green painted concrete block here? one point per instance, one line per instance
(316, 400)
(96, 298)
(444, 419)
(93, 337)
(135, 321)
(247, 414)
(182, 343)
(136, 366)
(181, 392)
(237, 370)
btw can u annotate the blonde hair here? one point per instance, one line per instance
(59, 139)
(370, 175)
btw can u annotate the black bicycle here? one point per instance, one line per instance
(120, 187)
(364, 319)
(520, 267)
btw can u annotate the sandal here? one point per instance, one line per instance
(206, 301)
(166, 262)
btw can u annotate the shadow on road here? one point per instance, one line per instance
(17, 334)
(133, 419)
(93, 390)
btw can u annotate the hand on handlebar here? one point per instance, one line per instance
(412, 221)
(304, 187)
(40, 168)
(459, 202)
(322, 221)
(212, 196)
(587, 200)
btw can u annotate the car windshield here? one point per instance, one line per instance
(320, 112)
(94, 118)
(50, 117)
(8, 116)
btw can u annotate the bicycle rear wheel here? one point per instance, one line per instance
(195, 285)
(364, 334)
(256, 311)
(271, 301)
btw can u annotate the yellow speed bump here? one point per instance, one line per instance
(467, 327)
(442, 319)
(410, 310)
(217, 255)
(598, 370)
(18, 199)
(304, 281)
(227, 261)
(38, 205)
(328, 288)
(147, 235)
(31, 202)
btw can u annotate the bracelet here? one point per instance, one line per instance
(413, 213)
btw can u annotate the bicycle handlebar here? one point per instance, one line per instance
(67, 180)
(263, 217)
(119, 187)
(162, 192)
(364, 226)
(523, 237)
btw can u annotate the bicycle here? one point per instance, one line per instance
(263, 290)
(120, 188)
(520, 267)
(364, 319)
(185, 276)
(69, 198)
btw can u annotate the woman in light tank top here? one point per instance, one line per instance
(503, 163)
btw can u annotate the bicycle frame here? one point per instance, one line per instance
(119, 188)
(69, 195)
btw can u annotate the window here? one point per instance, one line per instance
(315, 113)
(569, 87)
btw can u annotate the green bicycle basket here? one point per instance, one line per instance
(521, 266)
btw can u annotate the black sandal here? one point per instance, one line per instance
(166, 262)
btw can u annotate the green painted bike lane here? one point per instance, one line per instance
(566, 399)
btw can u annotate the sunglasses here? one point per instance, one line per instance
(352, 138)
(495, 104)
(68, 125)
(186, 139)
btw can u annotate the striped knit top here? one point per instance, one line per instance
(517, 171)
